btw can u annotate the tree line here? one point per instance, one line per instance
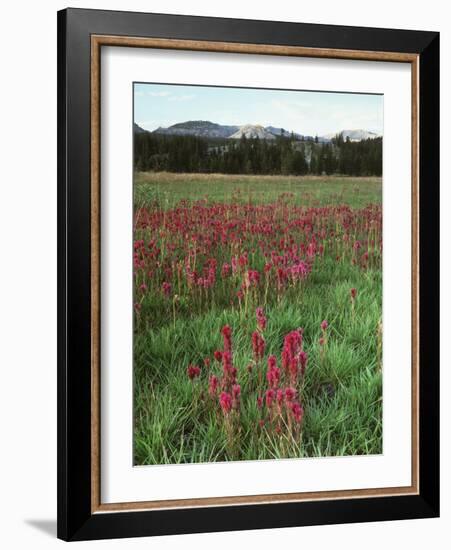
(284, 155)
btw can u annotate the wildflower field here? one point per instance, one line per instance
(257, 317)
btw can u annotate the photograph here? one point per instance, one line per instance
(257, 274)
(248, 290)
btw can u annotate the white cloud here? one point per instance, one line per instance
(290, 105)
(168, 95)
(159, 94)
(181, 97)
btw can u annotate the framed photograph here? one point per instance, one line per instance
(248, 274)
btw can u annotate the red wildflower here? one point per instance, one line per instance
(298, 411)
(193, 371)
(251, 278)
(261, 318)
(236, 392)
(292, 347)
(225, 401)
(270, 395)
(226, 268)
(234, 263)
(166, 288)
(273, 373)
(213, 385)
(227, 337)
(226, 362)
(290, 394)
(273, 377)
(300, 270)
(258, 346)
(272, 362)
(242, 260)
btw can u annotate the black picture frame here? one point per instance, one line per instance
(75, 518)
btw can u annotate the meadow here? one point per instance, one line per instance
(258, 306)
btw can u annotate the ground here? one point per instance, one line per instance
(332, 223)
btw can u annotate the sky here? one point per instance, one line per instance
(304, 112)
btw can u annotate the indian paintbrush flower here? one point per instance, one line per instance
(213, 384)
(261, 318)
(227, 338)
(225, 401)
(193, 371)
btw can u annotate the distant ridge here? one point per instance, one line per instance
(137, 129)
(208, 129)
(355, 135)
(253, 131)
(200, 128)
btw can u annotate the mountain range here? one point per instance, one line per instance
(355, 135)
(207, 129)
(199, 128)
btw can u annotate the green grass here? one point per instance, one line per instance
(342, 395)
(170, 188)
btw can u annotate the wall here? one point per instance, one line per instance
(28, 271)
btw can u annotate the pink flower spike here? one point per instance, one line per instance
(298, 412)
(272, 362)
(270, 395)
(193, 371)
(261, 318)
(213, 385)
(227, 337)
(225, 401)
(273, 377)
(225, 271)
(324, 325)
(290, 394)
(166, 288)
(258, 345)
(236, 391)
